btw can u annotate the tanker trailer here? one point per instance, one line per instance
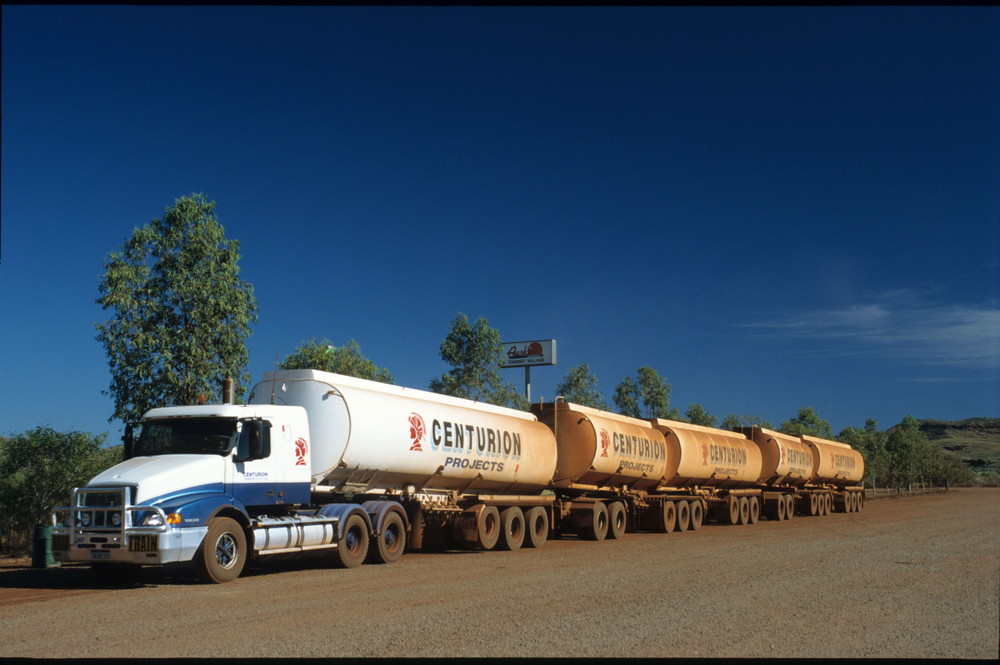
(721, 466)
(837, 474)
(462, 470)
(321, 463)
(607, 471)
(786, 466)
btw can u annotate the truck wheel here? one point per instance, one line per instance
(511, 528)
(387, 547)
(616, 520)
(488, 527)
(754, 510)
(417, 528)
(697, 515)
(353, 545)
(536, 527)
(744, 510)
(733, 513)
(668, 519)
(595, 523)
(683, 515)
(789, 506)
(223, 553)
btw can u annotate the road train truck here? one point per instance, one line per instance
(359, 471)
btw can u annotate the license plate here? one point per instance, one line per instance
(100, 554)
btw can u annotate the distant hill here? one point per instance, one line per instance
(973, 441)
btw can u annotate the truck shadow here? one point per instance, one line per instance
(81, 577)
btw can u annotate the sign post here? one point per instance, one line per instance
(527, 354)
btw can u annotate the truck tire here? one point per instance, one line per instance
(744, 510)
(536, 527)
(617, 520)
(511, 528)
(353, 546)
(732, 510)
(778, 512)
(683, 515)
(789, 506)
(223, 553)
(668, 518)
(594, 523)
(488, 527)
(387, 546)
(417, 528)
(697, 515)
(754, 509)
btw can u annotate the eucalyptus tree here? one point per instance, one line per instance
(807, 422)
(475, 352)
(181, 314)
(347, 360)
(646, 396)
(579, 386)
(697, 415)
(38, 470)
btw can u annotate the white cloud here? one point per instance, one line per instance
(902, 326)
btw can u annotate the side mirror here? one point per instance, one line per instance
(255, 441)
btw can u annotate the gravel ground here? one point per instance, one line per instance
(912, 577)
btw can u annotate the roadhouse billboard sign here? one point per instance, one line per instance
(527, 354)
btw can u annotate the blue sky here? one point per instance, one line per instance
(774, 207)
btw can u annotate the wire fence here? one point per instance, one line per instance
(873, 490)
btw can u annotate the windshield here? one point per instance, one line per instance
(199, 436)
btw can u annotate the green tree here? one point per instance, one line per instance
(38, 469)
(181, 313)
(346, 360)
(809, 423)
(912, 456)
(626, 397)
(475, 352)
(697, 415)
(580, 387)
(733, 421)
(648, 390)
(871, 443)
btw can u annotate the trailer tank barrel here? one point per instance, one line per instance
(601, 449)
(834, 462)
(377, 436)
(709, 456)
(786, 459)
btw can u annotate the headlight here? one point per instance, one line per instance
(116, 519)
(153, 519)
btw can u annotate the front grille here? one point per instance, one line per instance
(60, 543)
(143, 543)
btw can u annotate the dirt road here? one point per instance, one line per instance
(907, 578)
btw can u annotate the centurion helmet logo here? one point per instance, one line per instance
(301, 450)
(605, 442)
(417, 432)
